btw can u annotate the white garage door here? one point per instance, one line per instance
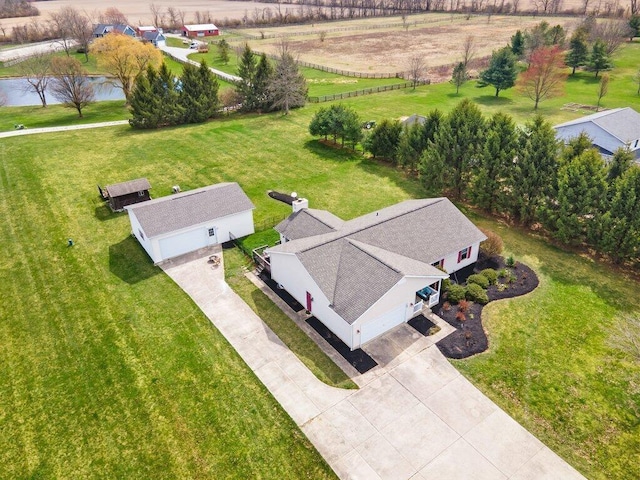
(183, 243)
(382, 324)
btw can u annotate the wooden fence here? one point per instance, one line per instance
(365, 91)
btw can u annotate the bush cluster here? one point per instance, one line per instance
(478, 279)
(476, 293)
(455, 293)
(491, 275)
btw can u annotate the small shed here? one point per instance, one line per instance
(171, 226)
(200, 30)
(142, 29)
(119, 195)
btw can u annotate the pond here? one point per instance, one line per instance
(16, 93)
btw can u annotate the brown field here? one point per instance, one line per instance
(137, 11)
(438, 39)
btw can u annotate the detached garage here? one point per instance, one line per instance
(168, 227)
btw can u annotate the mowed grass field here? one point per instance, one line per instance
(108, 369)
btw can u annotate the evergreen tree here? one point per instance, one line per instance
(431, 125)
(634, 26)
(339, 122)
(412, 144)
(620, 162)
(502, 71)
(599, 59)
(578, 54)
(499, 150)
(321, 124)
(223, 51)
(199, 93)
(247, 72)
(459, 76)
(165, 89)
(287, 87)
(532, 178)
(263, 77)
(620, 230)
(517, 44)
(575, 147)
(143, 103)
(384, 140)
(582, 194)
(455, 148)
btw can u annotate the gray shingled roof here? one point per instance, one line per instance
(622, 123)
(308, 222)
(360, 261)
(124, 188)
(193, 207)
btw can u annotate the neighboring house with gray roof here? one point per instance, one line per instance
(365, 276)
(184, 222)
(101, 29)
(608, 130)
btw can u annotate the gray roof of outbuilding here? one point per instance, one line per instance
(125, 188)
(622, 123)
(193, 207)
(360, 261)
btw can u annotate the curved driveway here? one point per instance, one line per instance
(182, 55)
(414, 417)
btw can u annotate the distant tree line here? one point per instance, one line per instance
(522, 174)
(17, 8)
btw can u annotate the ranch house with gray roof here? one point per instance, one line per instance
(365, 276)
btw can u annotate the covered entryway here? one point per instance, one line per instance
(382, 324)
(183, 243)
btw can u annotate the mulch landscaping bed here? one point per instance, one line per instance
(358, 358)
(470, 337)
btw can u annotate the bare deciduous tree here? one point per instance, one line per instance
(61, 28)
(70, 84)
(157, 16)
(603, 89)
(113, 16)
(468, 50)
(36, 70)
(288, 87)
(81, 30)
(416, 67)
(612, 32)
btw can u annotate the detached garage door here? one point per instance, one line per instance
(382, 324)
(183, 243)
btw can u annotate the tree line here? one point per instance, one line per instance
(535, 61)
(520, 173)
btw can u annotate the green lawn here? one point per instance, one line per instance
(236, 264)
(107, 366)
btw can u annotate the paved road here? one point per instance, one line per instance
(31, 131)
(414, 416)
(181, 54)
(29, 50)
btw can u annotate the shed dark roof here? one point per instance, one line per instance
(125, 188)
(193, 207)
(363, 258)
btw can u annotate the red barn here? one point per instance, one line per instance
(202, 30)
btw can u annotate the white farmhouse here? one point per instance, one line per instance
(365, 276)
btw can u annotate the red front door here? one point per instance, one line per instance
(309, 300)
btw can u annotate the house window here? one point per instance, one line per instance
(438, 264)
(464, 254)
(212, 232)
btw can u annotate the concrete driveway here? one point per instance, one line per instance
(414, 416)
